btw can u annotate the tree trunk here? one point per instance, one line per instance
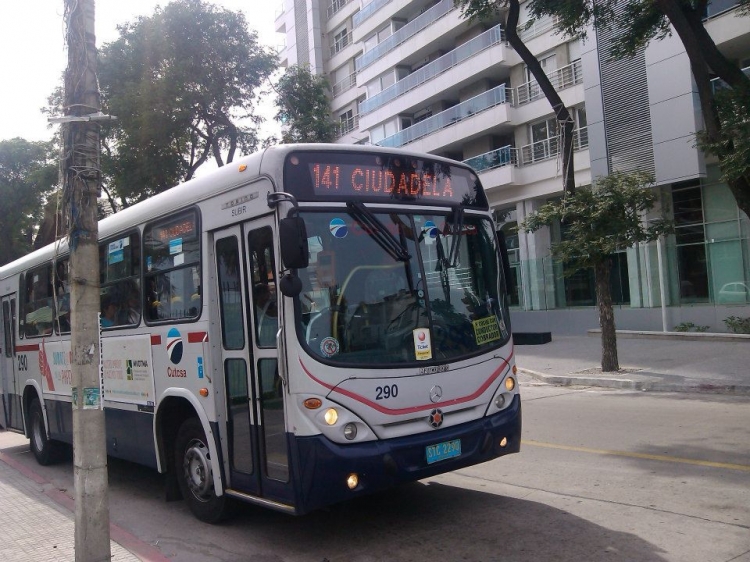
(606, 316)
(561, 112)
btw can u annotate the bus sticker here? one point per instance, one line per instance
(422, 344)
(329, 346)
(486, 330)
(338, 228)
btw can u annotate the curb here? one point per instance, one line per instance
(641, 385)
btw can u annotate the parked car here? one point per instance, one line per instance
(735, 292)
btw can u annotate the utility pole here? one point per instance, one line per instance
(81, 189)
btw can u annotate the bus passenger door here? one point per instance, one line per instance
(10, 401)
(248, 369)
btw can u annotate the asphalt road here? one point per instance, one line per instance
(603, 475)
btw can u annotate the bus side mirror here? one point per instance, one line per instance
(295, 253)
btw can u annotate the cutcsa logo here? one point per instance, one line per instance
(174, 346)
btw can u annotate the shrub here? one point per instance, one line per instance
(738, 325)
(690, 327)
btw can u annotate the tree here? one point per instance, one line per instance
(599, 221)
(303, 107)
(641, 21)
(28, 173)
(509, 10)
(183, 85)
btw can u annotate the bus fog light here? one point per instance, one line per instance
(352, 481)
(350, 431)
(500, 401)
(331, 416)
(510, 384)
(503, 441)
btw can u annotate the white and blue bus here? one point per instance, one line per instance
(303, 326)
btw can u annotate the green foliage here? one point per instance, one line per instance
(27, 173)
(303, 107)
(689, 327)
(738, 325)
(183, 85)
(600, 220)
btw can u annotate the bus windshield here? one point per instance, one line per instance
(395, 288)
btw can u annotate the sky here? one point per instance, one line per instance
(33, 53)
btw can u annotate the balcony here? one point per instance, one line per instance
(416, 25)
(344, 85)
(435, 68)
(505, 156)
(562, 78)
(368, 10)
(340, 42)
(348, 125)
(477, 104)
(537, 28)
(550, 148)
(335, 6)
(719, 84)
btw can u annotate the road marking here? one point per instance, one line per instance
(665, 458)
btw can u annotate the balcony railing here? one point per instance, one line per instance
(341, 42)
(346, 126)
(719, 84)
(505, 156)
(335, 6)
(550, 148)
(416, 25)
(477, 104)
(346, 84)
(538, 27)
(429, 71)
(561, 78)
(368, 10)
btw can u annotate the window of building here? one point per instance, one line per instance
(340, 40)
(690, 238)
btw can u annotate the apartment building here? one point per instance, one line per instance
(416, 74)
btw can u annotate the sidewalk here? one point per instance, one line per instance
(648, 361)
(38, 520)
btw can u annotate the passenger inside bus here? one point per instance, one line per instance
(266, 314)
(109, 310)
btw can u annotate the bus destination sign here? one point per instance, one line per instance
(329, 176)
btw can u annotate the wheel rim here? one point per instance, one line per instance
(197, 470)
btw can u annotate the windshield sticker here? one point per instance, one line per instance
(329, 346)
(422, 344)
(486, 330)
(430, 232)
(338, 228)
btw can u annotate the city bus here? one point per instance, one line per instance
(303, 326)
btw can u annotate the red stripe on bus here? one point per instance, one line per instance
(156, 339)
(30, 347)
(423, 407)
(197, 337)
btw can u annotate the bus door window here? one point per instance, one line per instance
(119, 279)
(263, 276)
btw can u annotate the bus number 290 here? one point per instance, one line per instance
(385, 392)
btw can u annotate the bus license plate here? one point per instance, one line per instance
(442, 451)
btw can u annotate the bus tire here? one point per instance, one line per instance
(192, 462)
(46, 451)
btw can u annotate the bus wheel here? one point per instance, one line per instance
(194, 473)
(45, 450)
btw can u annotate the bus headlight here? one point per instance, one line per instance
(500, 401)
(350, 431)
(331, 416)
(510, 384)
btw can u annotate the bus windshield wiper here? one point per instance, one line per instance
(372, 225)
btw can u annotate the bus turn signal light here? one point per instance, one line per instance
(203, 392)
(313, 403)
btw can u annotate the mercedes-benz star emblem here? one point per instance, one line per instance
(436, 418)
(436, 393)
